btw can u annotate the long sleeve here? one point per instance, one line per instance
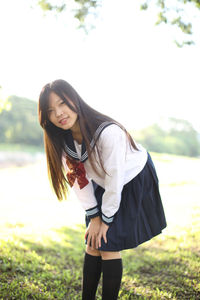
(85, 195)
(113, 148)
(121, 163)
(87, 199)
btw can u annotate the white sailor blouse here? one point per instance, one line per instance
(120, 161)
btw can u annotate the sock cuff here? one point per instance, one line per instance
(109, 263)
(92, 257)
(111, 260)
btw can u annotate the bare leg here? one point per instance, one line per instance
(110, 255)
(93, 252)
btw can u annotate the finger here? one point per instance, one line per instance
(104, 237)
(93, 241)
(99, 240)
(89, 240)
(86, 234)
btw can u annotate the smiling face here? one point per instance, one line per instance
(60, 114)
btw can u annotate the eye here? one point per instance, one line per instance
(49, 111)
(62, 102)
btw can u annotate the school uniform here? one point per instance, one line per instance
(126, 195)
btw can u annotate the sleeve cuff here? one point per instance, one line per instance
(92, 212)
(107, 220)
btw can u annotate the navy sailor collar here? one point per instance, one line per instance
(70, 148)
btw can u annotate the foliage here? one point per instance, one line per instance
(179, 13)
(176, 13)
(81, 9)
(20, 124)
(4, 104)
(177, 137)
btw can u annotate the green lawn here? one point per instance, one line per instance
(42, 240)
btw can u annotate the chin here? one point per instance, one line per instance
(66, 127)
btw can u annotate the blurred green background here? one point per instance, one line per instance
(133, 72)
(20, 130)
(42, 240)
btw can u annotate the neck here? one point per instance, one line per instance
(76, 132)
(75, 129)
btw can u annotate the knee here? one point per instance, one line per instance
(105, 255)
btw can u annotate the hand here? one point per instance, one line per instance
(93, 231)
(102, 234)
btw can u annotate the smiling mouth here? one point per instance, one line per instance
(63, 121)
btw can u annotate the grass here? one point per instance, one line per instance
(47, 269)
(42, 240)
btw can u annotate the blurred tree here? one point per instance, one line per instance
(176, 136)
(151, 138)
(183, 131)
(4, 104)
(81, 9)
(178, 13)
(20, 124)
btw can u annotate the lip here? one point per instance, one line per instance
(63, 121)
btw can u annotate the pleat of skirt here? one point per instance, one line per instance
(140, 216)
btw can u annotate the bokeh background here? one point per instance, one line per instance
(144, 75)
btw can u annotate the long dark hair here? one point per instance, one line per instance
(89, 120)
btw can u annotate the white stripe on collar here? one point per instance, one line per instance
(84, 157)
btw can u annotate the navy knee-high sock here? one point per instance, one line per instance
(91, 276)
(112, 275)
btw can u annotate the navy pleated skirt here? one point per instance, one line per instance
(140, 216)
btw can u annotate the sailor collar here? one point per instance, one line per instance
(70, 148)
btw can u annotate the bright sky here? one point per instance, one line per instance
(126, 67)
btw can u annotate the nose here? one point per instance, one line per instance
(58, 112)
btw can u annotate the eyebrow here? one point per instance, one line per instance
(56, 101)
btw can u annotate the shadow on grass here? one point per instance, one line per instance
(155, 270)
(49, 269)
(52, 268)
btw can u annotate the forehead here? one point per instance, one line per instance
(54, 99)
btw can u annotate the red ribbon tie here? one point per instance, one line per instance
(76, 171)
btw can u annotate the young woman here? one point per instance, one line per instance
(113, 177)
